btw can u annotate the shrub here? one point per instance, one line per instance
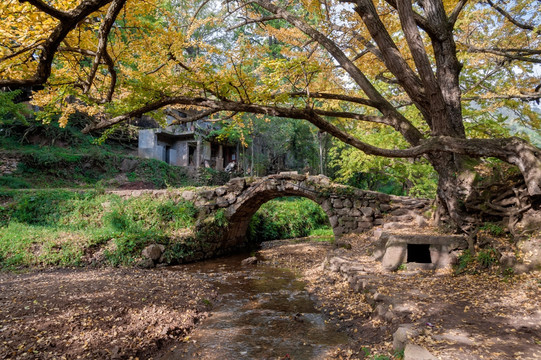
(487, 257)
(286, 218)
(13, 182)
(58, 227)
(493, 228)
(464, 261)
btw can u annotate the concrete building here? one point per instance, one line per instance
(186, 145)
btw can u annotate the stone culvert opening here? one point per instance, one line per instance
(419, 253)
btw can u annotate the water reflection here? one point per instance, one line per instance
(264, 313)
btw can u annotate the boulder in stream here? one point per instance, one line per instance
(252, 260)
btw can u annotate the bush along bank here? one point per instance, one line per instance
(66, 228)
(288, 218)
(41, 228)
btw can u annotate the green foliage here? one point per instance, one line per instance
(13, 182)
(487, 257)
(464, 261)
(211, 227)
(212, 177)
(493, 228)
(471, 263)
(57, 227)
(391, 176)
(161, 174)
(286, 218)
(11, 112)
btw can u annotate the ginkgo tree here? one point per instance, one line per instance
(437, 72)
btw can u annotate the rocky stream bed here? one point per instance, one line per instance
(331, 303)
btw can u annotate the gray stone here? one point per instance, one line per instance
(367, 211)
(347, 203)
(236, 184)
(222, 202)
(326, 205)
(416, 352)
(355, 212)
(365, 225)
(145, 264)
(402, 335)
(220, 191)
(421, 222)
(395, 226)
(207, 194)
(188, 195)
(531, 251)
(394, 257)
(252, 260)
(455, 337)
(507, 260)
(400, 212)
(337, 204)
(231, 198)
(342, 244)
(128, 165)
(153, 252)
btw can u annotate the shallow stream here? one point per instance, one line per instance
(263, 313)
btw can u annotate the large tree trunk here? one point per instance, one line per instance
(464, 202)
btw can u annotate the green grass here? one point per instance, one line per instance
(287, 218)
(57, 227)
(83, 166)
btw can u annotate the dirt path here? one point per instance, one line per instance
(97, 314)
(485, 316)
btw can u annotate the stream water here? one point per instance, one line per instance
(264, 313)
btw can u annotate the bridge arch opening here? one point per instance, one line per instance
(287, 218)
(243, 227)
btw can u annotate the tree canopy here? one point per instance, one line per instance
(432, 74)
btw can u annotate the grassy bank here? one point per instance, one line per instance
(64, 228)
(68, 228)
(85, 165)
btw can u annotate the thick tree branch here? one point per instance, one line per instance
(420, 21)
(341, 97)
(511, 18)
(105, 28)
(22, 51)
(198, 116)
(508, 53)
(420, 57)
(52, 43)
(513, 150)
(107, 60)
(253, 21)
(48, 9)
(453, 16)
(523, 97)
(412, 136)
(393, 59)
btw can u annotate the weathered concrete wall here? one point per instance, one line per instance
(147, 144)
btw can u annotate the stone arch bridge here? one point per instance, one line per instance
(350, 210)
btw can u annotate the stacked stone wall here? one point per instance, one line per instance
(350, 210)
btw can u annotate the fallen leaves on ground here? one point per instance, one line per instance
(97, 313)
